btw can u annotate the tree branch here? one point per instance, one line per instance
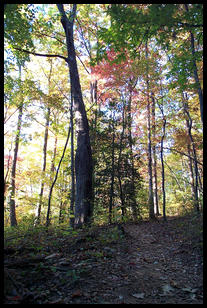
(41, 55)
(181, 153)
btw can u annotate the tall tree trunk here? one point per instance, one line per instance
(195, 70)
(55, 179)
(52, 168)
(13, 220)
(94, 140)
(72, 197)
(190, 166)
(154, 158)
(44, 164)
(83, 157)
(112, 172)
(162, 160)
(134, 208)
(119, 163)
(196, 175)
(150, 198)
(6, 179)
(190, 160)
(63, 202)
(163, 170)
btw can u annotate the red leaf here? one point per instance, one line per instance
(77, 293)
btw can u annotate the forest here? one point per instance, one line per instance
(103, 153)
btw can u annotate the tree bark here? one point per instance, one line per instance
(44, 165)
(190, 164)
(189, 126)
(6, 180)
(94, 140)
(83, 157)
(162, 161)
(13, 220)
(123, 210)
(112, 171)
(149, 150)
(163, 170)
(72, 197)
(133, 204)
(52, 168)
(156, 206)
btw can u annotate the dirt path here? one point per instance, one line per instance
(151, 263)
(166, 269)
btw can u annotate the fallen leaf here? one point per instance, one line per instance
(77, 293)
(57, 301)
(174, 283)
(167, 289)
(139, 295)
(52, 256)
(189, 289)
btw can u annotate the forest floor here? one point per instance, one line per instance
(145, 263)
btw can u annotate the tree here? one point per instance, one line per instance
(133, 24)
(111, 194)
(54, 181)
(18, 16)
(189, 127)
(162, 160)
(72, 199)
(44, 163)
(195, 69)
(13, 220)
(83, 159)
(151, 198)
(156, 206)
(135, 94)
(117, 81)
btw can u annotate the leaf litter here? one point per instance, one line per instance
(151, 263)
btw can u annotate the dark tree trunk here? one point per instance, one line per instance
(12, 205)
(162, 161)
(149, 150)
(196, 175)
(154, 158)
(94, 140)
(112, 171)
(83, 157)
(44, 165)
(133, 204)
(13, 220)
(119, 163)
(163, 170)
(6, 180)
(191, 169)
(72, 198)
(52, 168)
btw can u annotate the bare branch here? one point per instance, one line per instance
(182, 153)
(41, 55)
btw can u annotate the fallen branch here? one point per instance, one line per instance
(25, 262)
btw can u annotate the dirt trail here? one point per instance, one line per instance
(167, 269)
(151, 263)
